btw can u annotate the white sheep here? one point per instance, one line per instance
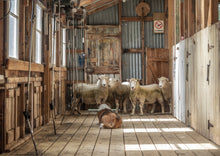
(166, 88)
(149, 94)
(91, 93)
(118, 93)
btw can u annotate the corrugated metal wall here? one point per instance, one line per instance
(131, 66)
(131, 35)
(78, 41)
(152, 40)
(108, 16)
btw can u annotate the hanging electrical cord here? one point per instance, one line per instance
(9, 10)
(26, 113)
(52, 96)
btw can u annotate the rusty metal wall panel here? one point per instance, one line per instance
(131, 66)
(108, 16)
(152, 40)
(131, 35)
(78, 39)
(128, 7)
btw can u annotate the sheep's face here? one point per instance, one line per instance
(103, 81)
(133, 83)
(113, 82)
(163, 81)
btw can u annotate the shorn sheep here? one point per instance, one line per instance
(148, 94)
(91, 93)
(118, 93)
(166, 88)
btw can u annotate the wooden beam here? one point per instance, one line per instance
(186, 8)
(86, 2)
(198, 15)
(108, 5)
(23, 66)
(171, 33)
(106, 70)
(129, 19)
(120, 37)
(166, 24)
(97, 4)
(1, 37)
(142, 53)
(213, 12)
(139, 50)
(182, 19)
(191, 17)
(204, 13)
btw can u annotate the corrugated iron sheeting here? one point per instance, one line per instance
(79, 59)
(104, 17)
(131, 66)
(129, 7)
(152, 40)
(78, 40)
(131, 35)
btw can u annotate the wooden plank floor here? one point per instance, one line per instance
(153, 135)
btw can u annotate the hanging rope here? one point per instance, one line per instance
(26, 113)
(53, 54)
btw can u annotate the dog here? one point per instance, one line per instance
(108, 118)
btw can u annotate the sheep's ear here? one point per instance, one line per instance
(167, 79)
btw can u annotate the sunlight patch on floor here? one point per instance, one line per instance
(175, 147)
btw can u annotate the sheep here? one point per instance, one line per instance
(166, 88)
(148, 94)
(91, 93)
(118, 93)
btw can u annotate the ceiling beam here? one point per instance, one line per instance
(86, 2)
(108, 5)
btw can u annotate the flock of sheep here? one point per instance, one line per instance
(112, 91)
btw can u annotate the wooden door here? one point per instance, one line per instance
(157, 64)
(179, 81)
(103, 51)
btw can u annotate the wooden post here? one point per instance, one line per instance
(22, 102)
(186, 15)
(142, 53)
(1, 36)
(198, 15)
(213, 12)
(204, 13)
(191, 17)
(166, 24)
(171, 33)
(120, 37)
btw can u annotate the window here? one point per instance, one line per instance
(38, 43)
(64, 47)
(13, 27)
(219, 10)
(53, 58)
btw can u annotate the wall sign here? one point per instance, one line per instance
(158, 22)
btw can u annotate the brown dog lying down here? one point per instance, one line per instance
(107, 118)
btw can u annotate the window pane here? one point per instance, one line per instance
(53, 43)
(64, 54)
(64, 35)
(14, 6)
(39, 18)
(13, 37)
(38, 48)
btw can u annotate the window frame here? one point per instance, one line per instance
(14, 15)
(53, 40)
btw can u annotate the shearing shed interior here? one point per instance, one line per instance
(110, 77)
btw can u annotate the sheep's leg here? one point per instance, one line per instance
(117, 105)
(162, 104)
(170, 105)
(153, 108)
(141, 107)
(133, 107)
(124, 105)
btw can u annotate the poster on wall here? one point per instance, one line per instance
(158, 19)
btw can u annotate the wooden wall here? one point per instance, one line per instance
(14, 80)
(202, 85)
